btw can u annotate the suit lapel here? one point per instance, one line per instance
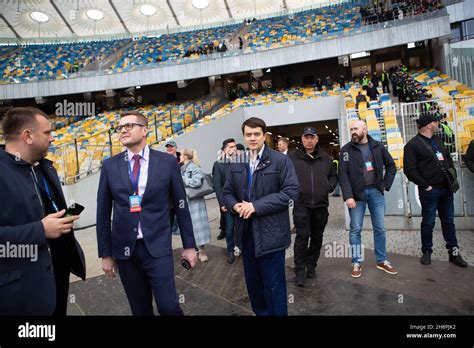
(152, 170)
(123, 170)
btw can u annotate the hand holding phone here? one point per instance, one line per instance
(74, 210)
(185, 263)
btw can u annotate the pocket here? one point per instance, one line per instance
(273, 172)
(299, 216)
(8, 277)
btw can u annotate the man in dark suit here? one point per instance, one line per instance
(258, 191)
(31, 218)
(220, 171)
(136, 183)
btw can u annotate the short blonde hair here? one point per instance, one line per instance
(192, 155)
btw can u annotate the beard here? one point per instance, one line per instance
(356, 138)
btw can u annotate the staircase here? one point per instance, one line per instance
(108, 61)
(233, 39)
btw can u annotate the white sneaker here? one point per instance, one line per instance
(237, 251)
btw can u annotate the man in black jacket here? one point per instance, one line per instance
(220, 171)
(317, 178)
(362, 180)
(259, 192)
(32, 214)
(430, 175)
(372, 92)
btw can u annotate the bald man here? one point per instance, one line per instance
(362, 180)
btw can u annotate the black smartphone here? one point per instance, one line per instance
(185, 263)
(75, 209)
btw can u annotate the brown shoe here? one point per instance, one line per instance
(387, 267)
(356, 270)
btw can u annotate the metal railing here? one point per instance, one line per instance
(81, 157)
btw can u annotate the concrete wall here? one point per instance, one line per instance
(415, 29)
(463, 44)
(296, 112)
(207, 140)
(461, 11)
(84, 193)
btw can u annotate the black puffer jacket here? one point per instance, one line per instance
(317, 177)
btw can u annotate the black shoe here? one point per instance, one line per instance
(300, 279)
(457, 260)
(426, 259)
(310, 272)
(230, 257)
(221, 235)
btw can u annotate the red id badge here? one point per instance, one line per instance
(135, 204)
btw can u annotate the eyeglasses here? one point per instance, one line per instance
(129, 126)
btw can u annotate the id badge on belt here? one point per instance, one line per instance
(135, 204)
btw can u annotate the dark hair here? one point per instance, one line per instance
(240, 147)
(286, 141)
(19, 118)
(138, 115)
(226, 142)
(254, 122)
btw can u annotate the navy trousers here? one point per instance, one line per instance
(265, 278)
(143, 277)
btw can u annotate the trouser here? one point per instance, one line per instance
(310, 224)
(229, 231)
(375, 200)
(144, 276)
(441, 200)
(265, 278)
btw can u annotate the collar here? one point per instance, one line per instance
(260, 153)
(146, 153)
(10, 157)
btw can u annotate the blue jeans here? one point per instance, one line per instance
(229, 231)
(443, 201)
(376, 202)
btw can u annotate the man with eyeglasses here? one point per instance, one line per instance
(138, 241)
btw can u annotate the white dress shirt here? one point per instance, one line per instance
(142, 180)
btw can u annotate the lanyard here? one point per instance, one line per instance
(130, 173)
(367, 156)
(433, 142)
(46, 190)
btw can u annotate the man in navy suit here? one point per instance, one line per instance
(259, 192)
(137, 184)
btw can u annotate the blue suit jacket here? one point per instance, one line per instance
(164, 185)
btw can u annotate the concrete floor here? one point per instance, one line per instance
(218, 288)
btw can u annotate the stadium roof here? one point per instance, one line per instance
(43, 19)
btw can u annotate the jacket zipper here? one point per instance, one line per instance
(36, 189)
